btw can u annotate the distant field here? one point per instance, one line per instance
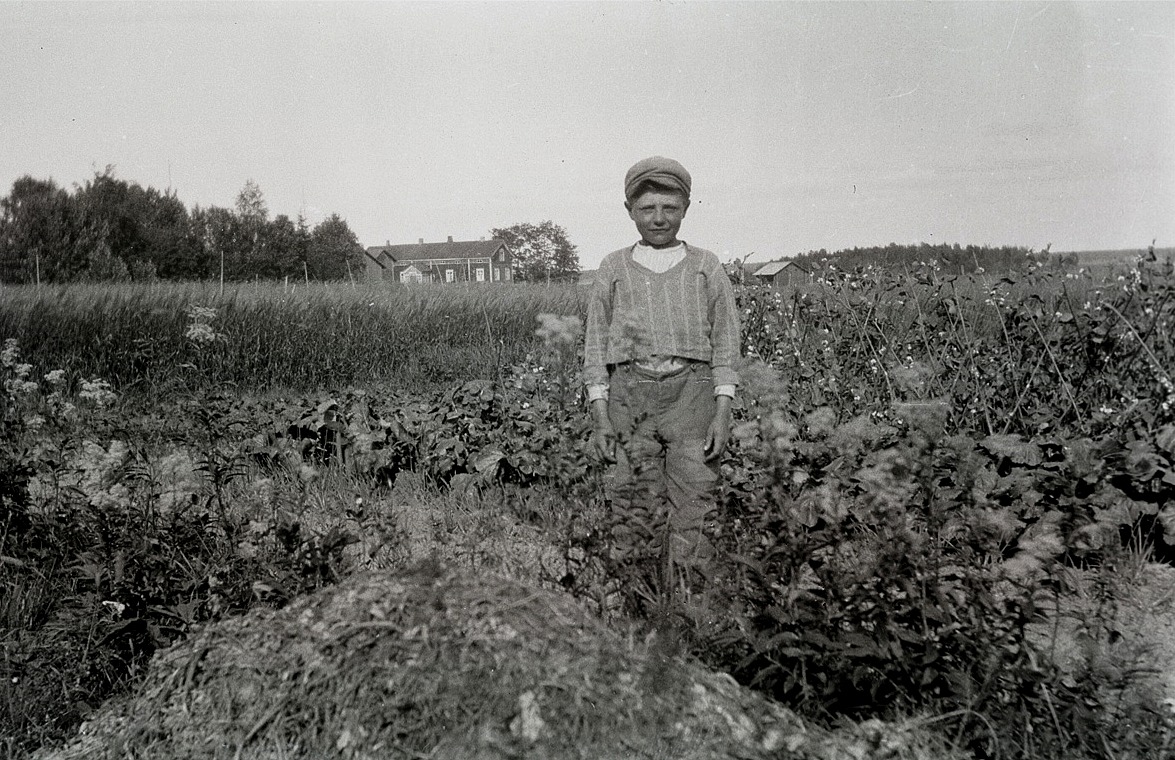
(1108, 259)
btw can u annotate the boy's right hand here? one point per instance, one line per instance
(605, 440)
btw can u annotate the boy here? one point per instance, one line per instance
(660, 345)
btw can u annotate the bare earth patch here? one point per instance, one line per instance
(1121, 631)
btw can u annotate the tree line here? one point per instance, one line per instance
(110, 229)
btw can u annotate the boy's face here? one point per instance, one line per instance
(658, 216)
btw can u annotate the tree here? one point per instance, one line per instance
(104, 266)
(251, 203)
(171, 249)
(542, 252)
(253, 260)
(43, 238)
(219, 232)
(286, 246)
(145, 229)
(334, 252)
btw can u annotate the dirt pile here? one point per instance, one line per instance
(442, 664)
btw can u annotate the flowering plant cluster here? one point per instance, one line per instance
(31, 405)
(1002, 351)
(200, 331)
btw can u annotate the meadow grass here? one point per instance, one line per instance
(265, 336)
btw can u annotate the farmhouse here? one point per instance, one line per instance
(451, 261)
(781, 273)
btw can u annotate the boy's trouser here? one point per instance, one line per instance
(661, 423)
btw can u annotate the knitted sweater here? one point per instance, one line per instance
(687, 311)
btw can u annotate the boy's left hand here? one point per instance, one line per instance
(719, 433)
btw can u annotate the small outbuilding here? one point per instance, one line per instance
(778, 273)
(451, 261)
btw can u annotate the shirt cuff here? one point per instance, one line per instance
(597, 392)
(725, 389)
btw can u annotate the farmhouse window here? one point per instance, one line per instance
(480, 274)
(450, 275)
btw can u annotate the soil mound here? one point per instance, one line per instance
(439, 663)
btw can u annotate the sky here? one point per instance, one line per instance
(805, 125)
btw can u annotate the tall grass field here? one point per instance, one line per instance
(140, 337)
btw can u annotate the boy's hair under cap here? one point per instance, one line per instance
(658, 169)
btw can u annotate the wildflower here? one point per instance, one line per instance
(98, 392)
(201, 335)
(20, 387)
(176, 475)
(115, 607)
(555, 330)
(200, 330)
(10, 354)
(56, 377)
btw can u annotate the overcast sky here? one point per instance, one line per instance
(805, 125)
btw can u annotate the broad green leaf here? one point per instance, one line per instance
(1166, 439)
(487, 461)
(1014, 448)
(1167, 518)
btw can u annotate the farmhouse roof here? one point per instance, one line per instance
(459, 249)
(772, 268)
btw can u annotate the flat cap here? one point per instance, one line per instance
(663, 171)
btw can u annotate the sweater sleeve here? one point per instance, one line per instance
(725, 330)
(595, 336)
